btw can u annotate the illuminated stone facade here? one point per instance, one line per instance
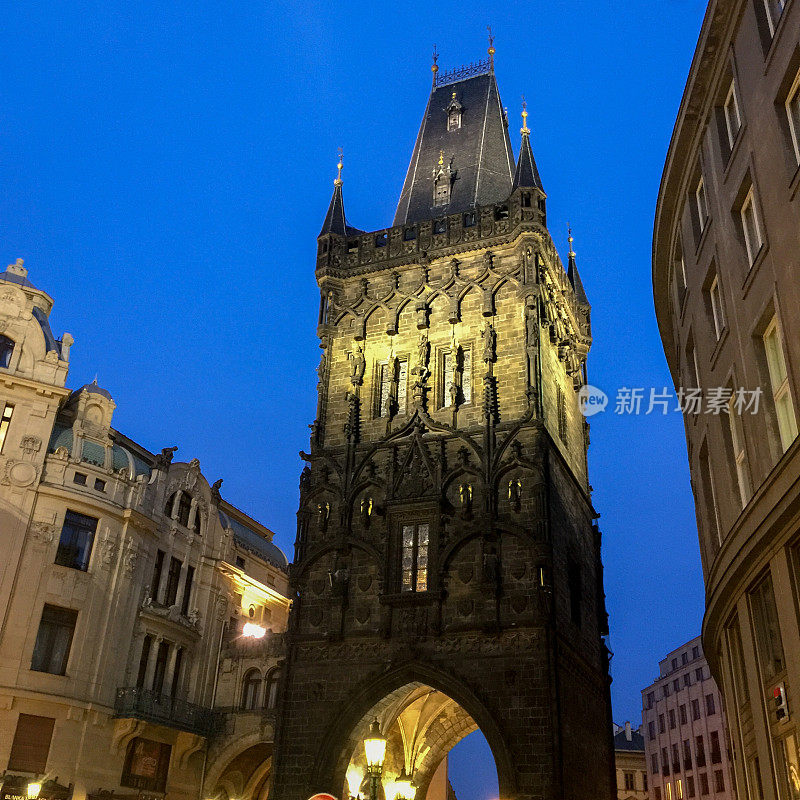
(123, 572)
(447, 563)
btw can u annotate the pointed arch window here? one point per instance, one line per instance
(271, 688)
(6, 351)
(441, 189)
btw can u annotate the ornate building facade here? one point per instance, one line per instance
(447, 571)
(124, 577)
(726, 289)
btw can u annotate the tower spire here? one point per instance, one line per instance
(572, 273)
(527, 174)
(491, 50)
(335, 220)
(524, 130)
(435, 65)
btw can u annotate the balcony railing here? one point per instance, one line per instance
(164, 710)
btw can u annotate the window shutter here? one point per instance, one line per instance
(31, 744)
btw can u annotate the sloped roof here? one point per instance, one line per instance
(636, 742)
(480, 150)
(335, 219)
(527, 173)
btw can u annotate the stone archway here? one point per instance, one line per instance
(423, 713)
(241, 773)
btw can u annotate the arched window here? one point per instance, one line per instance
(271, 691)
(6, 351)
(184, 508)
(251, 689)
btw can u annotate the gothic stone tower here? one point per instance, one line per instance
(446, 542)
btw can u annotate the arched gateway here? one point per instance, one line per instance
(447, 569)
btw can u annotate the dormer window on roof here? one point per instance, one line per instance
(454, 111)
(442, 181)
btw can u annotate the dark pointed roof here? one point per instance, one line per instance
(527, 175)
(335, 220)
(575, 278)
(480, 149)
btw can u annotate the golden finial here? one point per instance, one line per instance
(524, 130)
(491, 46)
(435, 66)
(454, 96)
(338, 181)
(441, 158)
(569, 239)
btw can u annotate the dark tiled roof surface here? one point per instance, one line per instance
(335, 220)
(527, 174)
(480, 150)
(44, 324)
(13, 278)
(254, 542)
(636, 742)
(575, 280)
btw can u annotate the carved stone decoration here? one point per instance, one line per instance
(364, 582)
(108, 547)
(43, 532)
(465, 607)
(315, 617)
(465, 573)
(317, 586)
(358, 365)
(222, 607)
(362, 614)
(519, 603)
(130, 559)
(164, 458)
(489, 336)
(193, 473)
(30, 446)
(19, 473)
(61, 454)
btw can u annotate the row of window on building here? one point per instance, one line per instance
(691, 789)
(677, 683)
(674, 765)
(682, 717)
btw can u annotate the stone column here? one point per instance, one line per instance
(170, 671)
(151, 662)
(181, 586)
(175, 502)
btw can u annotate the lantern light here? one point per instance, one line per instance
(253, 631)
(33, 790)
(403, 786)
(375, 747)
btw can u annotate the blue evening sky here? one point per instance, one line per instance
(165, 169)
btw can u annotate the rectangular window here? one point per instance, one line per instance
(5, 421)
(753, 238)
(779, 382)
(717, 312)
(696, 652)
(80, 478)
(187, 591)
(146, 765)
(716, 753)
(75, 544)
(176, 675)
(676, 685)
(651, 698)
(679, 270)
(687, 679)
(31, 745)
(793, 113)
(666, 690)
(651, 730)
(644, 781)
(700, 751)
(711, 707)
(788, 767)
(690, 792)
(684, 718)
(661, 726)
(676, 759)
(143, 659)
(173, 579)
(768, 636)
(630, 781)
(457, 377)
(739, 452)
(703, 783)
(393, 387)
(698, 674)
(654, 763)
(156, 580)
(710, 495)
(672, 719)
(668, 788)
(658, 793)
(684, 658)
(679, 789)
(53, 640)
(733, 119)
(695, 709)
(674, 664)
(99, 485)
(687, 754)
(415, 558)
(664, 761)
(719, 781)
(701, 206)
(736, 654)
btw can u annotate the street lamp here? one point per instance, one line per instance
(403, 786)
(375, 751)
(33, 790)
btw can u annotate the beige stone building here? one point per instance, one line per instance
(630, 763)
(725, 278)
(684, 732)
(126, 584)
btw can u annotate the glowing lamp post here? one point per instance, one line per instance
(375, 751)
(403, 786)
(33, 790)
